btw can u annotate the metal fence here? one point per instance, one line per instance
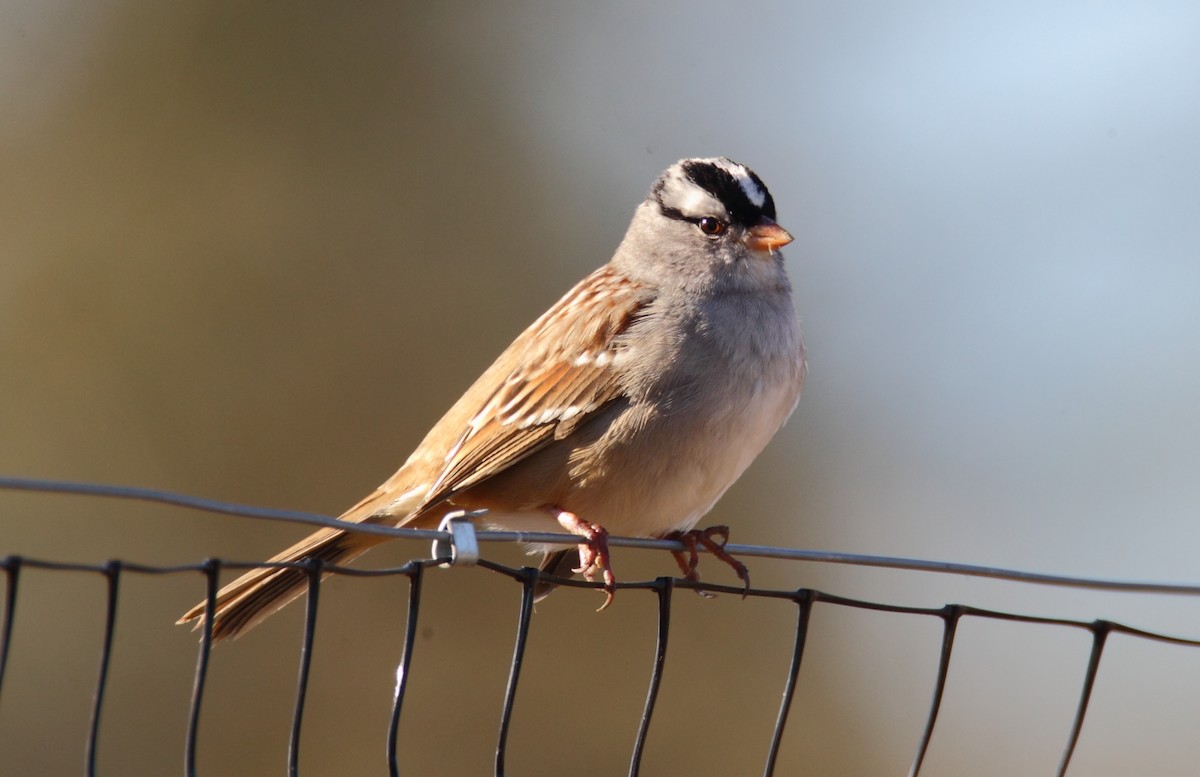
(459, 547)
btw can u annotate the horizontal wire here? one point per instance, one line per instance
(520, 574)
(553, 538)
(206, 505)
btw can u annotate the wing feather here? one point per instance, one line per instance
(566, 369)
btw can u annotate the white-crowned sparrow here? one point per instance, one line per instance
(628, 407)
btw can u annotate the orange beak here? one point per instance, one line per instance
(767, 236)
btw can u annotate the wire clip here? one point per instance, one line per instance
(462, 549)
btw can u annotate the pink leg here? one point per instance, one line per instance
(716, 547)
(687, 564)
(593, 551)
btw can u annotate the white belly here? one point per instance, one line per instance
(675, 484)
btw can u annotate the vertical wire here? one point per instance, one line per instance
(529, 578)
(313, 567)
(212, 569)
(1100, 632)
(804, 601)
(112, 572)
(12, 573)
(410, 637)
(665, 586)
(951, 614)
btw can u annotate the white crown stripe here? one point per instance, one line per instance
(754, 192)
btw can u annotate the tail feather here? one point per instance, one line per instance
(260, 592)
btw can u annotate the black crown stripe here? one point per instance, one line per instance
(716, 179)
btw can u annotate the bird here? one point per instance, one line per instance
(629, 407)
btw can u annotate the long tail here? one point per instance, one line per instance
(260, 592)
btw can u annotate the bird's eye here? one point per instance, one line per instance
(711, 226)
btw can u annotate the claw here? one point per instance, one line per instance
(705, 537)
(593, 551)
(688, 565)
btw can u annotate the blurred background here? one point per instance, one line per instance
(252, 252)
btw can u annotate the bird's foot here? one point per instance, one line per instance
(713, 539)
(593, 551)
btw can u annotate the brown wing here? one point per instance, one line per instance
(565, 370)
